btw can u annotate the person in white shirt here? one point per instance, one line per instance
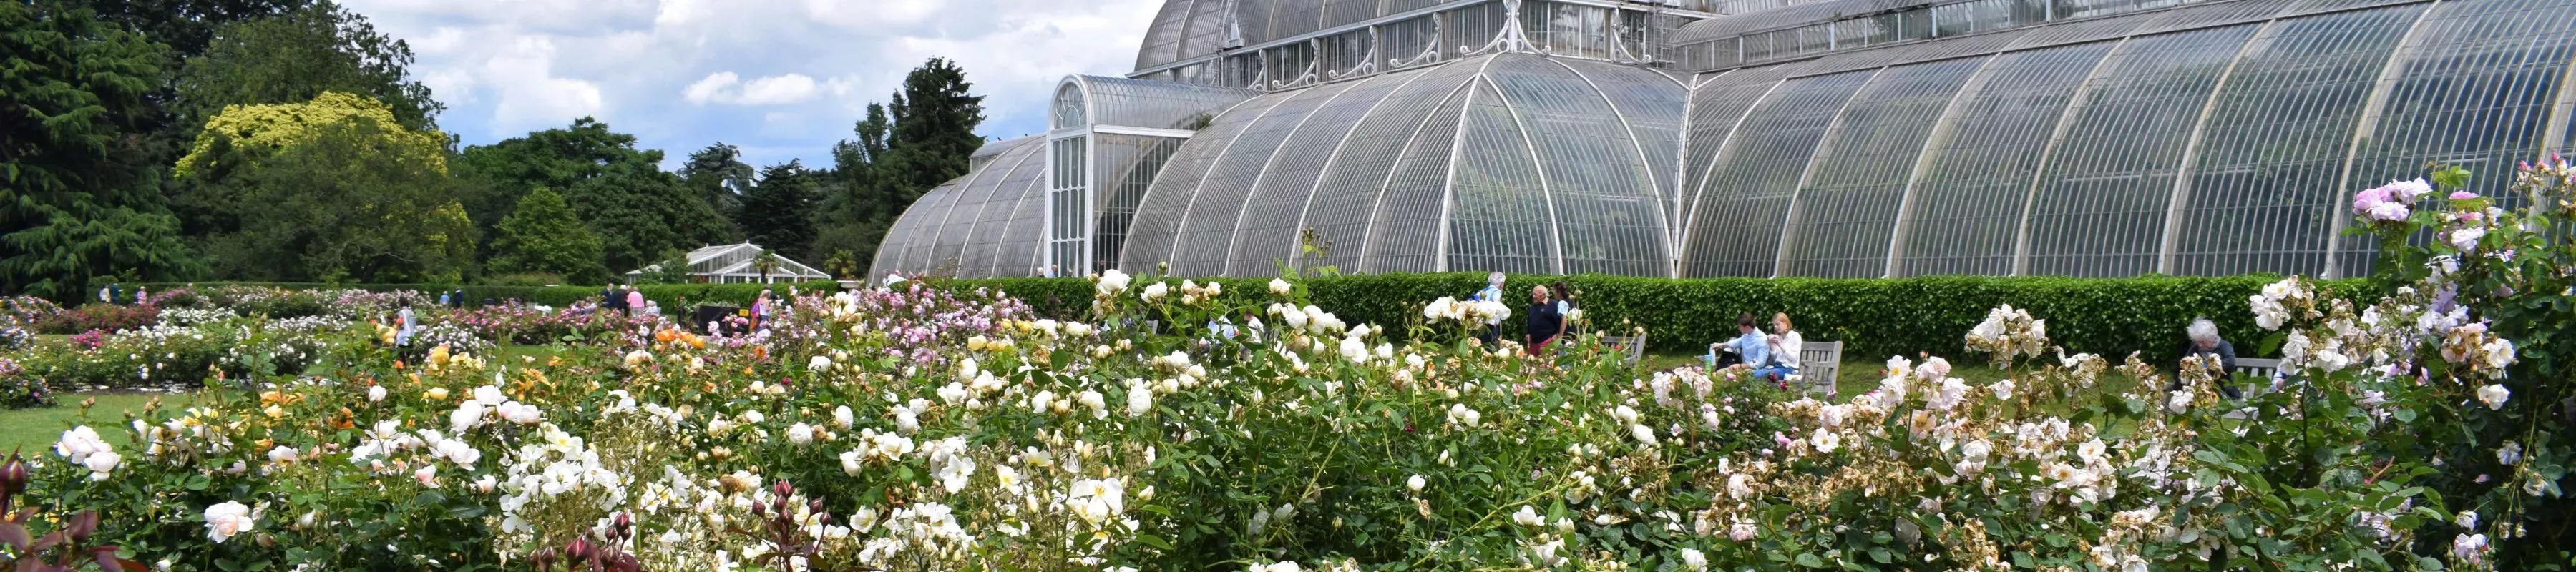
(1785, 343)
(1493, 292)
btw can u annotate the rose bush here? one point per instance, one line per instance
(1177, 427)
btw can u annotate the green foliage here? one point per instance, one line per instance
(672, 269)
(779, 213)
(935, 118)
(299, 55)
(718, 175)
(635, 208)
(544, 237)
(350, 201)
(1872, 317)
(78, 199)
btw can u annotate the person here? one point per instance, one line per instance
(1784, 344)
(442, 298)
(1544, 323)
(105, 297)
(1749, 347)
(653, 308)
(1564, 296)
(404, 327)
(634, 301)
(115, 291)
(1493, 292)
(140, 295)
(2205, 342)
(760, 309)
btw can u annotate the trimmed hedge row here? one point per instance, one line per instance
(671, 296)
(1873, 317)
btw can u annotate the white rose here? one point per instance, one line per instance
(800, 434)
(1416, 483)
(1694, 559)
(2494, 395)
(1529, 517)
(101, 463)
(1156, 291)
(819, 363)
(228, 519)
(375, 393)
(1281, 287)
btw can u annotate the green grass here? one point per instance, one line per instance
(33, 431)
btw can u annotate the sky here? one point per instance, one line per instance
(782, 79)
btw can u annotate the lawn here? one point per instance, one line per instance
(32, 431)
(35, 430)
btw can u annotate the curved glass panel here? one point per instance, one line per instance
(1501, 218)
(2100, 208)
(975, 205)
(2263, 193)
(1163, 39)
(1005, 242)
(1968, 201)
(1127, 165)
(1841, 219)
(1599, 184)
(1405, 222)
(1717, 113)
(898, 238)
(1347, 196)
(1156, 104)
(1735, 228)
(1207, 228)
(1158, 213)
(1651, 104)
(2475, 89)
(1268, 232)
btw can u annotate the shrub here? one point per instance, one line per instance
(1872, 317)
(19, 389)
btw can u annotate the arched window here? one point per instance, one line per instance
(1069, 107)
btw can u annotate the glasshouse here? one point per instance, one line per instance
(1702, 138)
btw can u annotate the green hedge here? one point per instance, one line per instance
(1873, 317)
(671, 296)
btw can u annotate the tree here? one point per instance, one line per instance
(902, 151)
(767, 263)
(672, 269)
(542, 236)
(935, 118)
(80, 204)
(636, 209)
(186, 26)
(719, 176)
(297, 56)
(333, 190)
(779, 212)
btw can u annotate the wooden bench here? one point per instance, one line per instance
(1819, 365)
(2258, 368)
(1630, 348)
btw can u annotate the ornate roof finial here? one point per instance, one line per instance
(1512, 38)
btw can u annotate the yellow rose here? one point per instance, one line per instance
(437, 394)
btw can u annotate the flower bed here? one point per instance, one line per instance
(934, 429)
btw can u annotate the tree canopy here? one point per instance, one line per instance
(544, 237)
(299, 55)
(81, 201)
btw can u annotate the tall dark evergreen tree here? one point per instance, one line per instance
(857, 195)
(719, 176)
(935, 118)
(80, 204)
(778, 214)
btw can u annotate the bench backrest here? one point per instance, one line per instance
(1631, 348)
(2258, 368)
(1820, 363)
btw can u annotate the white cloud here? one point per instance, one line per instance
(780, 78)
(725, 87)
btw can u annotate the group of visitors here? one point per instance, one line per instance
(1772, 356)
(114, 293)
(1548, 318)
(629, 301)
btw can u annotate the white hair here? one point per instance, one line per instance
(2203, 330)
(1495, 279)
